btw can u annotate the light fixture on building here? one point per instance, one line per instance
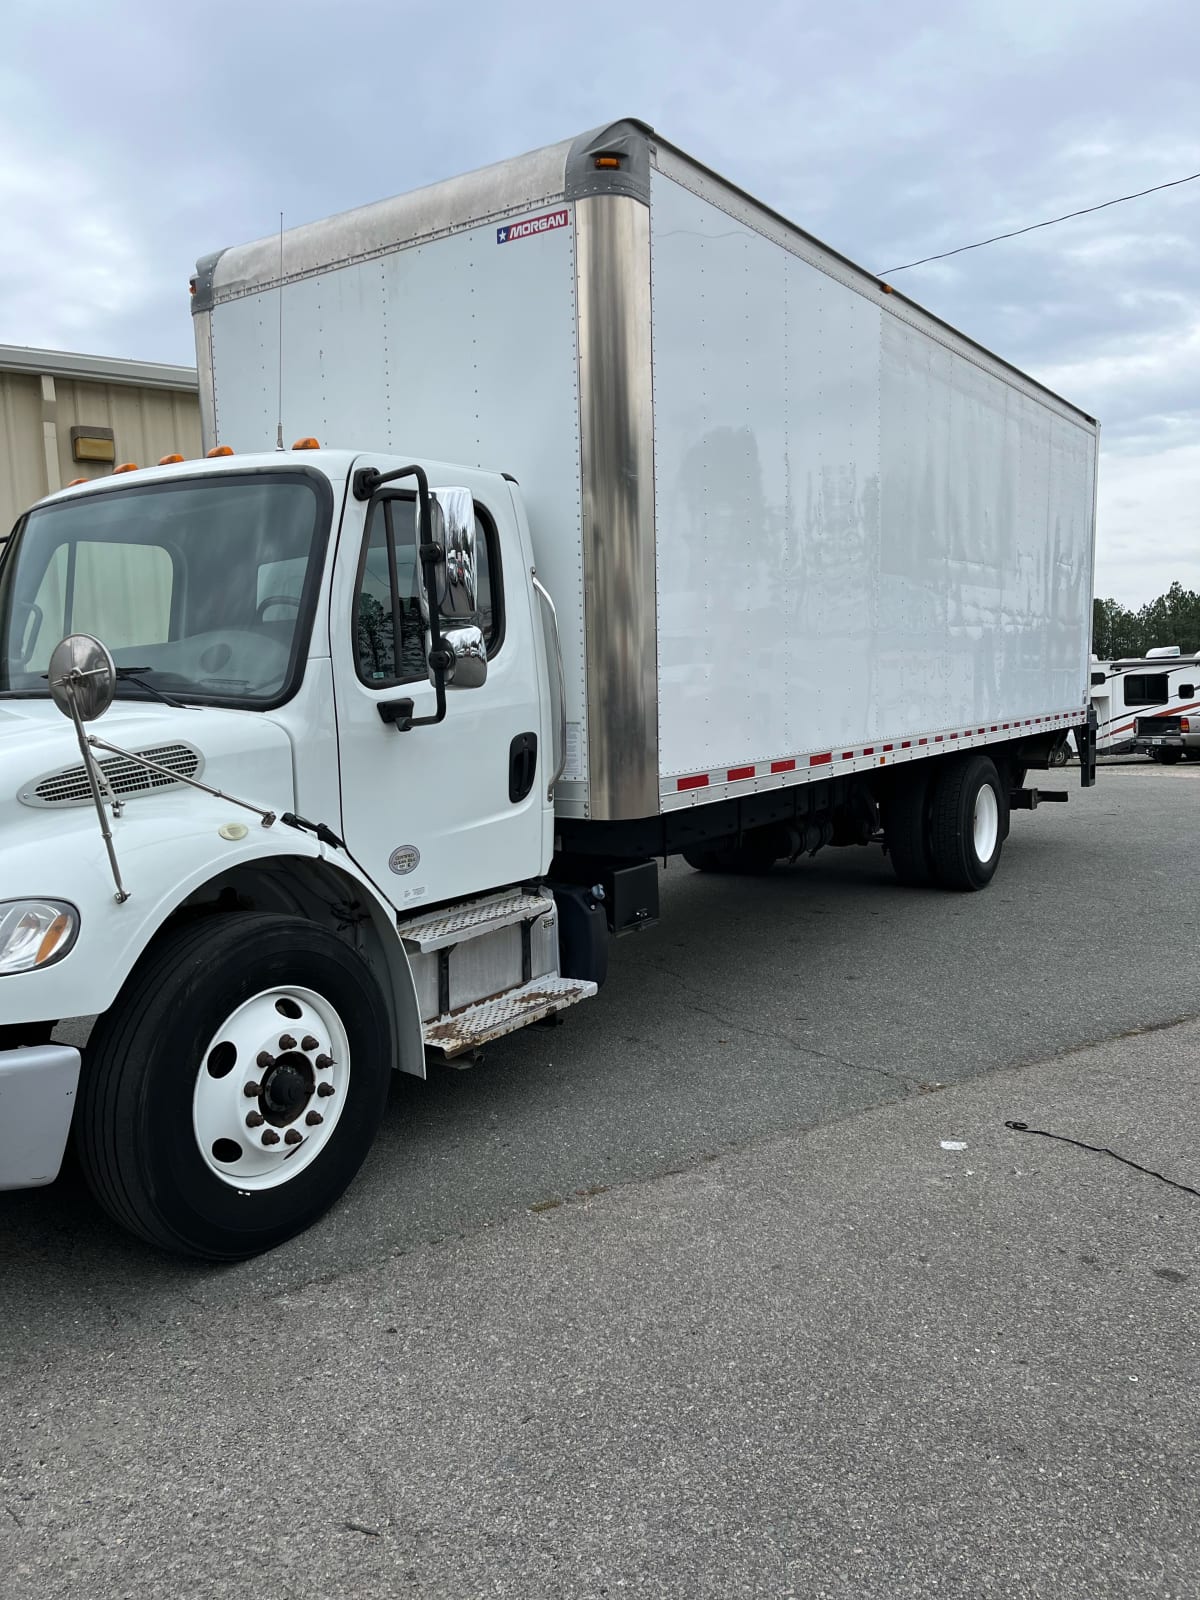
(93, 444)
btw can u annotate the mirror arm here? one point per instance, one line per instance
(366, 482)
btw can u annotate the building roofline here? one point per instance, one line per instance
(97, 369)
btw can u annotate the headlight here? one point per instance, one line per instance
(35, 933)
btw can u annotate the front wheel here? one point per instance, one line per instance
(233, 1089)
(968, 818)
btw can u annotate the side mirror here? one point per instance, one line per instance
(467, 648)
(453, 515)
(83, 678)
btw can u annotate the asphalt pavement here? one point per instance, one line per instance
(696, 1294)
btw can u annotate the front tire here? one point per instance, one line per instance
(968, 817)
(233, 1089)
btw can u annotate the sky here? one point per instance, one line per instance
(135, 137)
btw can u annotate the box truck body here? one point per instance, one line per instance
(788, 518)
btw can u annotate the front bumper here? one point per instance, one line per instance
(37, 1096)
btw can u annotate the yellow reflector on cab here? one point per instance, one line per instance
(307, 443)
(168, 461)
(126, 466)
(218, 450)
(74, 481)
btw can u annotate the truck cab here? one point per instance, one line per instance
(277, 750)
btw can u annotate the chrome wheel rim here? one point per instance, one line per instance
(270, 1088)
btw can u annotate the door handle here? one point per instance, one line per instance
(522, 766)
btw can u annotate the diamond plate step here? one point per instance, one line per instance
(468, 921)
(468, 1029)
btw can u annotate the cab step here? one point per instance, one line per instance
(438, 930)
(491, 1019)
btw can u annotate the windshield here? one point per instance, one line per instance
(207, 585)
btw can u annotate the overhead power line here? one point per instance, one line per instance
(1033, 226)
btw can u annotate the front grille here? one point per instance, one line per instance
(124, 777)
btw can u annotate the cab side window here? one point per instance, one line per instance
(389, 630)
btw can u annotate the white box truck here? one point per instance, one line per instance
(641, 524)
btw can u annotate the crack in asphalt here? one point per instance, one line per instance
(912, 1085)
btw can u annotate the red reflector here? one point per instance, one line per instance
(889, 747)
(736, 774)
(937, 738)
(847, 755)
(700, 782)
(783, 766)
(821, 761)
(869, 750)
(906, 744)
(922, 741)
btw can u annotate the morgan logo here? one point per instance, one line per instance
(546, 223)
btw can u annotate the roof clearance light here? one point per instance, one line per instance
(218, 450)
(74, 481)
(168, 461)
(307, 443)
(608, 163)
(126, 466)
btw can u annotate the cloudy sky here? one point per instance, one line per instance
(136, 136)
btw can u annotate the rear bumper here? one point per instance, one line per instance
(37, 1096)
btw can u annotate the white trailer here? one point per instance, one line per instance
(641, 524)
(1140, 702)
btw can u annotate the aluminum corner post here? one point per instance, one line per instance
(616, 413)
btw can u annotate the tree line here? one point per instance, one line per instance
(1174, 618)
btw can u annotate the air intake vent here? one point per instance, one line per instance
(70, 787)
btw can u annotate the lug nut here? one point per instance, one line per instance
(264, 1059)
(292, 1137)
(255, 1119)
(308, 1042)
(286, 1042)
(314, 1119)
(324, 1063)
(252, 1090)
(270, 1137)
(324, 1089)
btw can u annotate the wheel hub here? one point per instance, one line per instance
(287, 1088)
(270, 1088)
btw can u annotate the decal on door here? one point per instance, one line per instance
(405, 858)
(546, 223)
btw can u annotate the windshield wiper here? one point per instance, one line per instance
(130, 675)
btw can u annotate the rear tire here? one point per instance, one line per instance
(968, 814)
(175, 1143)
(906, 829)
(1170, 755)
(750, 860)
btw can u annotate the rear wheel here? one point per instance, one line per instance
(1170, 754)
(968, 815)
(232, 1091)
(753, 858)
(906, 829)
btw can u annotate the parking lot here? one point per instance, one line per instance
(550, 1341)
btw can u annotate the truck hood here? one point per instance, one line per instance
(242, 753)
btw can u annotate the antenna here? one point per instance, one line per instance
(279, 428)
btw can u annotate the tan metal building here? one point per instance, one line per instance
(68, 416)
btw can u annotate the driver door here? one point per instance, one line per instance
(454, 808)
